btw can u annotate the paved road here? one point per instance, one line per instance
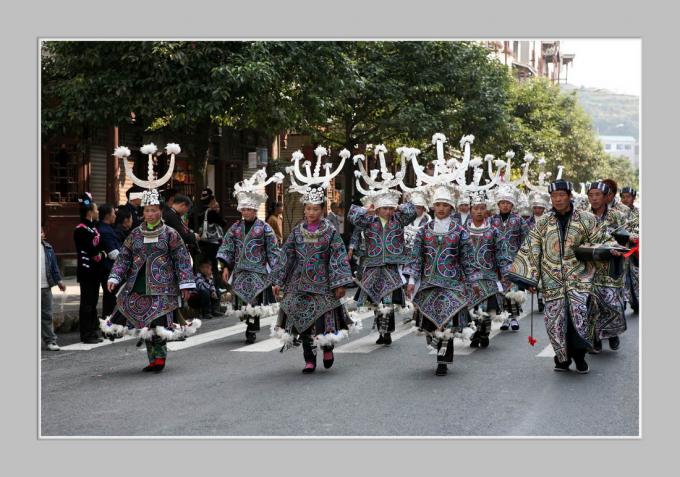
(213, 388)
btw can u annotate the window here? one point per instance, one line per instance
(607, 147)
(628, 147)
(619, 147)
(65, 162)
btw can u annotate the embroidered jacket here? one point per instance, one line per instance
(253, 252)
(549, 257)
(313, 262)
(384, 245)
(611, 219)
(513, 233)
(165, 260)
(438, 259)
(486, 253)
(458, 218)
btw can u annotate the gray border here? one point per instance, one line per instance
(348, 19)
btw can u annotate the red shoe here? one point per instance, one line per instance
(309, 367)
(156, 366)
(159, 364)
(328, 359)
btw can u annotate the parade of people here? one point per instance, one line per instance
(415, 264)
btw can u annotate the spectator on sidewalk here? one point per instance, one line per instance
(172, 216)
(275, 221)
(333, 216)
(212, 233)
(134, 199)
(90, 256)
(111, 245)
(49, 276)
(123, 224)
(205, 297)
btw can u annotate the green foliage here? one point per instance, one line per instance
(613, 114)
(341, 92)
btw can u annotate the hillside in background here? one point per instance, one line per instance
(613, 114)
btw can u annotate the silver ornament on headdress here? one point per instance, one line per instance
(150, 196)
(312, 185)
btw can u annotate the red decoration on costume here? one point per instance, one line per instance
(532, 340)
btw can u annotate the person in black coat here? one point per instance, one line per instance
(111, 245)
(123, 225)
(134, 200)
(90, 256)
(172, 216)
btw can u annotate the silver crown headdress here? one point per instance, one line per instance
(250, 192)
(149, 196)
(312, 185)
(380, 191)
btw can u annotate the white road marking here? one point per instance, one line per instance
(367, 343)
(88, 347)
(548, 352)
(202, 338)
(272, 344)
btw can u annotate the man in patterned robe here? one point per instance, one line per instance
(548, 259)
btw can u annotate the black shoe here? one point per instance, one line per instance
(581, 366)
(442, 369)
(484, 341)
(561, 366)
(380, 340)
(474, 341)
(93, 340)
(388, 339)
(597, 347)
(614, 343)
(250, 337)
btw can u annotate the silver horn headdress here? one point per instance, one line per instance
(311, 185)
(149, 196)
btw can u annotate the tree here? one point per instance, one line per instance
(549, 123)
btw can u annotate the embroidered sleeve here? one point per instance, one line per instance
(286, 261)
(123, 263)
(355, 239)
(339, 271)
(359, 217)
(181, 261)
(526, 267)
(272, 247)
(415, 266)
(227, 251)
(406, 213)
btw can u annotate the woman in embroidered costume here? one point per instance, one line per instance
(153, 269)
(381, 278)
(249, 253)
(632, 270)
(440, 277)
(313, 271)
(487, 260)
(548, 257)
(513, 230)
(610, 319)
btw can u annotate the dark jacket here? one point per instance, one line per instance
(51, 265)
(89, 251)
(173, 220)
(121, 233)
(109, 242)
(136, 214)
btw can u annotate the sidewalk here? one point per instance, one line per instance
(65, 306)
